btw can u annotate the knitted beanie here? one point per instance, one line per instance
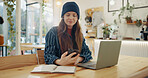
(70, 6)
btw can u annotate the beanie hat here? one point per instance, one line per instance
(70, 6)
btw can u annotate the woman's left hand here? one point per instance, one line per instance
(79, 59)
(65, 60)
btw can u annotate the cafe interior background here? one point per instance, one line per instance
(32, 19)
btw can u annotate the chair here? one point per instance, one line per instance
(17, 61)
(40, 55)
(24, 48)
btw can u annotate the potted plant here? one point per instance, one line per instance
(128, 19)
(138, 22)
(125, 12)
(106, 31)
(10, 8)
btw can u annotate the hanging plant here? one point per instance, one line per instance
(125, 11)
(43, 5)
(10, 8)
(43, 17)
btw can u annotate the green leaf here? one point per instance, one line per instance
(114, 13)
(115, 21)
(8, 53)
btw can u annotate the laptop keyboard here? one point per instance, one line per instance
(91, 64)
(94, 65)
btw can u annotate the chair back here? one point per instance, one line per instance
(40, 55)
(17, 61)
(1, 39)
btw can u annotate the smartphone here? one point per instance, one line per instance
(72, 51)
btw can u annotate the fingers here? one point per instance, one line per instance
(76, 57)
(71, 54)
(64, 54)
(77, 61)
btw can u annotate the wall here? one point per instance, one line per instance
(124, 29)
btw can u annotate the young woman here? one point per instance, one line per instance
(66, 36)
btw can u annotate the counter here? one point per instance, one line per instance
(132, 48)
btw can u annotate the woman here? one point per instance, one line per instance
(66, 36)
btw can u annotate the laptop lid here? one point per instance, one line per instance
(108, 53)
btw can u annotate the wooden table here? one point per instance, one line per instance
(2, 46)
(126, 66)
(34, 46)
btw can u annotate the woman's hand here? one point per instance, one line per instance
(65, 60)
(80, 59)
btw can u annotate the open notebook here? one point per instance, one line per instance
(53, 69)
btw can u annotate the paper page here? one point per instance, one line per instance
(44, 68)
(65, 69)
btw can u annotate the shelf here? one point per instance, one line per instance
(131, 23)
(91, 32)
(90, 37)
(88, 25)
(135, 23)
(144, 23)
(89, 28)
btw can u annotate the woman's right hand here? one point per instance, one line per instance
(65, 60)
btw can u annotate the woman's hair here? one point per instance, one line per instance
(1, 20)
(64, 39)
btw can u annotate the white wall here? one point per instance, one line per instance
(125, 30)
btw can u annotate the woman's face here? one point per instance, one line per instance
(70, 18)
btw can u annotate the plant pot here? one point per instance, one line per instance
(138, 23)
(1, 40)
(105, 36)
(129, 20)
(135, 22)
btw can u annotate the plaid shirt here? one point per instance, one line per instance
(52, 48)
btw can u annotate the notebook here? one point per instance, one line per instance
(53, 69)
(107, 55)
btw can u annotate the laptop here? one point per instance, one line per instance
(107, 55)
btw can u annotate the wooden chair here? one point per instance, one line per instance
(24, 48)
(17, 61)
(40, 56)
